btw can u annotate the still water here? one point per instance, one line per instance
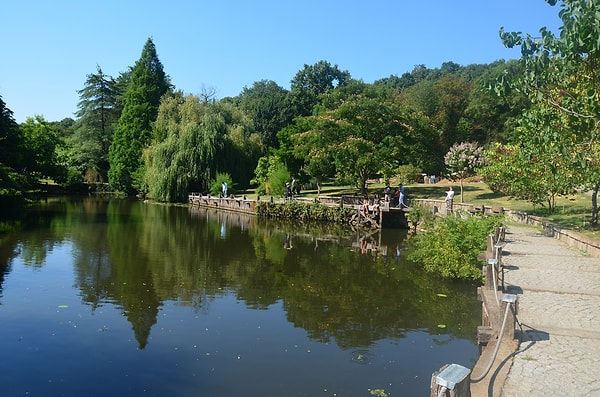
(121, 298)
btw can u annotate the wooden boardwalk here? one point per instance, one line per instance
(230, 204)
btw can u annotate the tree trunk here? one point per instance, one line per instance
(550, 206)
(594, 221)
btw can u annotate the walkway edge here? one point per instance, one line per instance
(569, 237)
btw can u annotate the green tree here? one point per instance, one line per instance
(453, 98)
(12, 182)
(312, 81)
(490, 117)
(97, 115)
(41, 142)
(216, 185)
(267, 105)
(188, 138)
(408, 79)
(359, 131)
(271, 174)
(562, 79)
(11, 139)
(463, 160)
(134, 129)
(502, 171)
(444, 100)
(304, 152)
(539, 167)
(242, 147)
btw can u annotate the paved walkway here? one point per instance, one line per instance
(558, 317)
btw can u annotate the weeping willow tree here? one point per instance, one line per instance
(193, 140)
(243, 147)
(187, 139)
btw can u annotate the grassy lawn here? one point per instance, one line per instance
(573, 212)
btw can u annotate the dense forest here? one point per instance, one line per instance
(536, 117)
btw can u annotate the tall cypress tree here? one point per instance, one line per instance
(134, 129)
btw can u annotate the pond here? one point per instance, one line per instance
(124, 298)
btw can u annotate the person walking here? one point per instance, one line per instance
(401, 203)
(224, 189)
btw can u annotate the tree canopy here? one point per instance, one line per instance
(360, 133)
(312, 81)
(463, 160)
(266, 103)
(191, 137)
(97, 115)
(561, 79)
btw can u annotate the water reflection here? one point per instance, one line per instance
(340, 285)
(178, 301)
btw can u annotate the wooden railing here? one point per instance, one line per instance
(239, 204)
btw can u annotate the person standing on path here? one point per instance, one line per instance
(288, 191)
(224, 189)
(449, 200)
(401, 203)
(293, 187)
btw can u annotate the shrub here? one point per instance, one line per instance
(308, 212)
(408, 173)
(420, 216)
(450, 248)
(277, 179)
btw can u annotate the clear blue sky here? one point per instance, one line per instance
(48, 47)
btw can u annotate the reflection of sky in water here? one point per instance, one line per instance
(56, 343)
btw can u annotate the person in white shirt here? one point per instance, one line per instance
(449, 200)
